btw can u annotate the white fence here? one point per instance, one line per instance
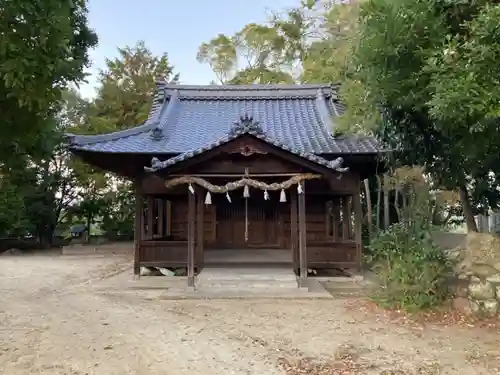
(488, 223)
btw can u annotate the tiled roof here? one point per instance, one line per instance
(184, 119)
(246, 125)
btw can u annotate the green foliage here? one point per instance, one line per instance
(429, 66)
(220, 54)
(48, 187)
(11, 208)
(126, 88)
(43, 47)
(261, 53)
(124, 98)
(411, 270)
(118, 220)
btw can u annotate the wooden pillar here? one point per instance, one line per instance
(336, 219)
(150, 230)
(346, 217)
(139, 226)
(302, 237)
(168, 208)
(358, 222)
(191, 238)
(294, 230)
(161, 217)
(200, 218)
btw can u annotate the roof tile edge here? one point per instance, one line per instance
(154, 117)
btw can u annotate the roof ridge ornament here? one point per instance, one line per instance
(157, 133)
(246, 124)
(338, 165)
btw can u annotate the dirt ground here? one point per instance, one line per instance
(56, 318)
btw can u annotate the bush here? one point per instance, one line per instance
(412, 271)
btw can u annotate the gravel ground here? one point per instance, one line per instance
(56, 318)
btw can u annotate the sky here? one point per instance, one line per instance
(175, 27)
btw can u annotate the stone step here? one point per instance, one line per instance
(244, 274)
(247, 279)
(247, 286)
(344, 289)
(297, 293)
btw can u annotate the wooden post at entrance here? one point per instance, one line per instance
(150, 231)
(302, 237)
(358, 219)
(139, 226)
(161, 217)
(191, 232)
(294, 230)
(200, 208)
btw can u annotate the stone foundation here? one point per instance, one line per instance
(484, 296)
(480, 266)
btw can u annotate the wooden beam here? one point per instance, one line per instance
(302, 237)
(235, 175)
(139, 226)
(358, 222)
(200, 219)
(271, 149)
(294, 229)
(191, 238)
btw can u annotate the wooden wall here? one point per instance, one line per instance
(330, 237)
(329, 225)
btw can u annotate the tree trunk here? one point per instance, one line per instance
(368, 207)
(379, 200)
(89, 223)
(396, 204)
(467, 210)
(45, 236)
(386, 202)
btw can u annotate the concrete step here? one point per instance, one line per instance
(347, 289)
(297, 293)
(238, 274)
(247, 279)
(247, 287)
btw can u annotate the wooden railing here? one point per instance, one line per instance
(327, 254)
(320, 254)
(163, 253)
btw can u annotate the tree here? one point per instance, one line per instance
(124, 96)
(43, 47)
(425, 64)
(44, 187)
(261, 53)
(126, 88)
(118, 220)
(12, 208)
(327, 60)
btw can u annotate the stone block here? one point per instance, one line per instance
(481, 290)
(484, 307)
(495, 279)
(483, 248)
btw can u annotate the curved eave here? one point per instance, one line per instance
(78, 148)
(159, 113)
(76, 140)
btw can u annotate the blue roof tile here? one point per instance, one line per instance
(190, 118)
(247, 125)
